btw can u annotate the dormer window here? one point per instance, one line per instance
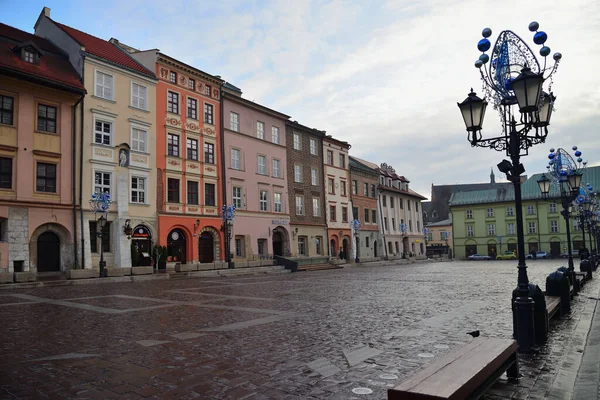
(28, 56)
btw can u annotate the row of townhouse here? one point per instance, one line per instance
(171, 144)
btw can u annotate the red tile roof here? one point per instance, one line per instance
(52, 65)
(104, 49)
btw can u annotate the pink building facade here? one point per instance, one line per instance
(256, 177)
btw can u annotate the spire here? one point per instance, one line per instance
(492, 177)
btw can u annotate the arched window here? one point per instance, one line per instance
(434, 214)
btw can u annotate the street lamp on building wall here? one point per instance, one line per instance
(228, 214)
(99, 205)
(513, 80)
(355, 223)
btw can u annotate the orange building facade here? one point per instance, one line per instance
(188, 159)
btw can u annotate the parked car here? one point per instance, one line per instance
(538, 254)
(566, 255)
(478, 257)
(508, 255)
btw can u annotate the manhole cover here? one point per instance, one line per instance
(426, 355)
(441, 346)
(362, 391)
(388, 376)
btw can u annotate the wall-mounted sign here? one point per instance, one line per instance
(279, 222)
(141, 232)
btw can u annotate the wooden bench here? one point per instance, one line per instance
(465, 373)
(552, 306)
(580, 276)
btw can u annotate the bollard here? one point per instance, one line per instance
(540, 323)
(557, 284)
(571, 276)
(586, 266)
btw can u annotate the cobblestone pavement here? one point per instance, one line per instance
(292, 336)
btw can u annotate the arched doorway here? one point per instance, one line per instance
(141, 243)
(345, 248)
(206, 247)
(277, 242)
(48, 252)
(176, 246)
(375, 248)
(333, 248)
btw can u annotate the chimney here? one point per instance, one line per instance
(46, 12)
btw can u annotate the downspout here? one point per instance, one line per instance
(379, 204)
(74, 178)
(452, 228)
(81, 170)
(224, 180)
(537, 212)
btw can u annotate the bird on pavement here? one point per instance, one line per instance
(474, 333)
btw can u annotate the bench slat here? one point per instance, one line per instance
(458, 373)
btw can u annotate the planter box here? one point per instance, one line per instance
(119, 271)
(24, 277)
(185, 267)
(6, 277)
(172, 265)
(141, 270)
(82, 273)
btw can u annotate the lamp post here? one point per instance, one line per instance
(514, 79)
(228, 214)
(99, 205)
(355, 224)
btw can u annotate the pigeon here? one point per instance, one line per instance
(474, 334)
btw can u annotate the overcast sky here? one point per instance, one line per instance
(383, 75)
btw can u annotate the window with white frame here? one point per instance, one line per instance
(313, 146)
(510, 228)
(193, 197)
(297, 142)
(138, 189)
(530, 210)
(275, 134)
(235, 158)
(139, 96)
(104, 85)
(208, 113)
(531, 227)
(276, 163)
(260, 130)
(554, 226)
(470, 230)
(552, 207)
(192, 149)
(314, 180)
(490, 212)
(299, 205)
(173, 102)
(263, 200)
(316, 207)
(491, 229)
(192, 108)
(262, 165)
(139, 139)
(103, 132)
(172, 145)
(576, 226)
(469, 214)
(297, 173)
(237, 196)
(277, 202)
(510, 211)
(102, 182)
(234, 121)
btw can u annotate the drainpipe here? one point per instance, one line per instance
(81, 169)
(74, 178)
(224, 180)
(381, 223)
(537, 214)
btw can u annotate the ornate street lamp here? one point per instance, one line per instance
(99, 205)
(512, 76)
(228, 214)
(355, 223)
(544, 184)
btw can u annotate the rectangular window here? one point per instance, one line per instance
(510, 211)
(367, 241)
(393, 224)
(262, 247)
(297, 173)
(173, 190)
(343, 187)
(275, 134)
(553, 208)
(344, 214)
(530, 210)
(139, 138)
(234, 121)
(510, 228)
(192, 84)
(554, 226)
(173, 77)
(392, 202)
(367, 212)
(373, 191)
(408, 204)
(192, 193)
(410, 225)
(29, 56)
(104, 85)
(576, 226)
(275, 163)
(277, 202)
(235, 158)
(94, 237)
(330, 186)
(139, 96)
(384, 200)
(314, 180)
(469, 214)
(262, 165)
(313, 147)
(6, 110)
(260, 130)
(209, 194)
(46, 178)
(173, 102)
(209, 153)
(138, 190)
(491, 229)
(531, 227)
(490, 212)
(354, 187)
(374, 216)
(103, 132)
(355, 213)
(102, 182)
(192, 149)
(5, 173)
(207, 90)
(192, 108)
(329, 157)
(299, 205)
(332, 213)
(238, 247)
(366, 189)
(173, 145)
(302, 245)
(318, 241)
(470, 230)
(208, 113)
(316, 207)
(297, 142)
(342, 161)
(237, 197)
(263, 200)
(401, 204)
(385, 223)
(46, 118)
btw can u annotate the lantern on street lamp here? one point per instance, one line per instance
(527, 88)
(473, 112)
(544, 184)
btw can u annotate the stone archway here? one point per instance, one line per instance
(65, 252)
(280, 239)
(205, 242)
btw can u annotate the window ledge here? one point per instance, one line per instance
(139, 109)
(47, 133)
(103, 99)
(139, 204)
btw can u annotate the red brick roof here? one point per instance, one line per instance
(104, 49)
(52, 65)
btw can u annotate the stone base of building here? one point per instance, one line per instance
(82, 273)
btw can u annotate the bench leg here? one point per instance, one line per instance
(513, 371)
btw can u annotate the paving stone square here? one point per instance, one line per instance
(306, 335)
